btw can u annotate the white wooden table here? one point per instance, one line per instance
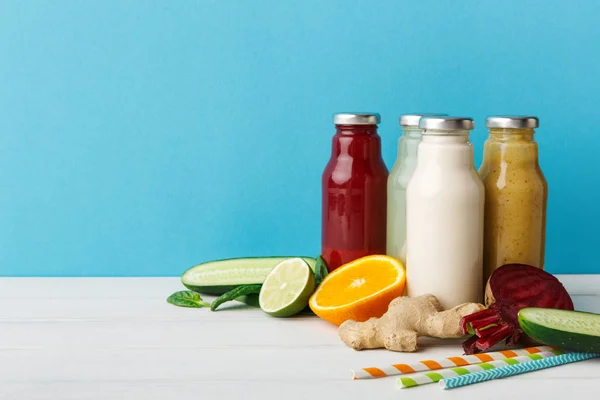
(117, 338)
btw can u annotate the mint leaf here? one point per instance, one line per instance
(187, 298)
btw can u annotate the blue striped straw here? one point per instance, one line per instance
(516, 369)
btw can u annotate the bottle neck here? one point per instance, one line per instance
(442, 137)
(409, 143)
(411, 132)
(511, 146)
(359, 142)
(355, 130)
(447, 150)
(511, 135)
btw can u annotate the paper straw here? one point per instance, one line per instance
(516, 369)
(425, 378)
(432, 365)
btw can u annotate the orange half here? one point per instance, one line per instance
(359, 290)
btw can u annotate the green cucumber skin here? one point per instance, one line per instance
(214, 290)
(221, 286)
(559, 338)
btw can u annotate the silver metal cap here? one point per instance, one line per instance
(512, 121)
(356, 119)
(447, 123)
(413, 119)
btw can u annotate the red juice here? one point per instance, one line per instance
(354, 190)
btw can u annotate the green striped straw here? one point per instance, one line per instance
(424, 378)
(516, 369)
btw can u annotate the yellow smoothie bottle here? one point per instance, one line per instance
(516, 194)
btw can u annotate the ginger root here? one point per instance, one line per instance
(405, 320)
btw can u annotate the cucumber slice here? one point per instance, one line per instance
(569, 330)
(221, 276)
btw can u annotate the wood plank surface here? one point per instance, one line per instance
(117, 338)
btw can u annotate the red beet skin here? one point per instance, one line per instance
(513, 286)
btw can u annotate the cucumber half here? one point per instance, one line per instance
(569, 330)
(218, 277)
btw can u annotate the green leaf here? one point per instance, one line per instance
(320, 270)
(187, 298)
(233, 294)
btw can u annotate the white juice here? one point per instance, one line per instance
(396, 192)
(445, 203)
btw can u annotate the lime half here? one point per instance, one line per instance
(287, 288)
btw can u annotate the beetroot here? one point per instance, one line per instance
(510, 288)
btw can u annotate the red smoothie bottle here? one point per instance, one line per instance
(354, 190)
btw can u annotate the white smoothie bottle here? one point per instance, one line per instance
(445, 202)
(401, 172)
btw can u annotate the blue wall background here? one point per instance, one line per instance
(142, 137)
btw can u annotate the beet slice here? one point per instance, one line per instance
(510, 288)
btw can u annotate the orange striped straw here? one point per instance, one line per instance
(432, 365)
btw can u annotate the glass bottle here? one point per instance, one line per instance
(354, 186)
(516, 194)
(397, 182)
(444, 215)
